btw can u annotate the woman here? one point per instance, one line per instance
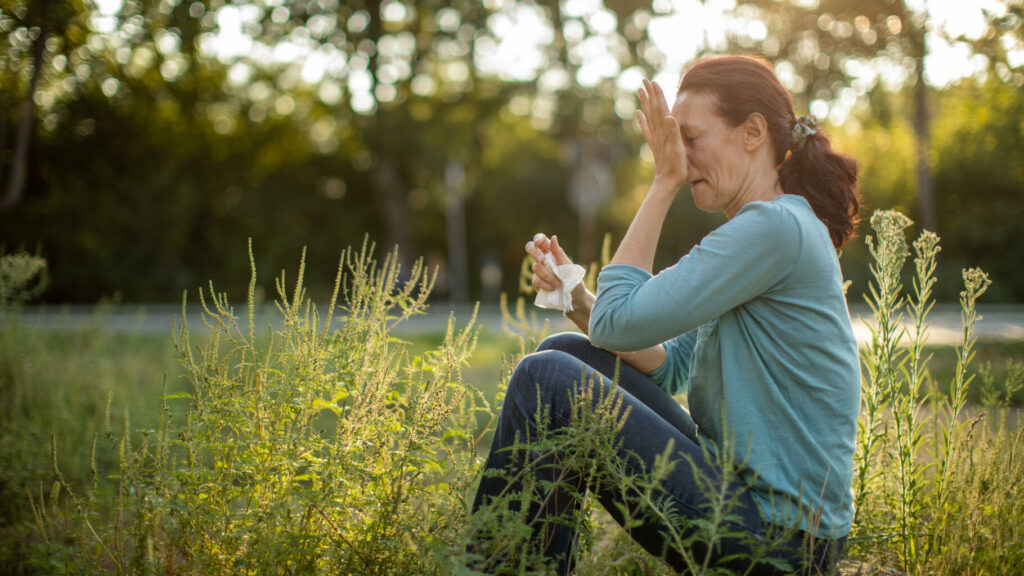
(752, 323)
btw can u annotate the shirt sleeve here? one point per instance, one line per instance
(748, 256)
(673, 376)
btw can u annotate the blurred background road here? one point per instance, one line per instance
(998, 322)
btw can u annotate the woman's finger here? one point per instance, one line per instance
(534, 251)
(645, 99)
(556, 250)
(660, 104)
(642, 122)
(544, 278)
(539, 284)
(542, 242)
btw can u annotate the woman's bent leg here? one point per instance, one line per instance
(638, 384)
(541, 394)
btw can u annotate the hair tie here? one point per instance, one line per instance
(803, 127)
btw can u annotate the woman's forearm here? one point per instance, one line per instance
(641, 239)
(582, 304)
(646, 360)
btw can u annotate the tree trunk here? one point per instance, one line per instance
(391, 204)
(390, 189)
(922, 136)
(23, 136)
(4, 120)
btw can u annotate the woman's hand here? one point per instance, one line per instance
(543, 277)
(662, 134)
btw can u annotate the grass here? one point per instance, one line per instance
(69, 397)
(247, 450)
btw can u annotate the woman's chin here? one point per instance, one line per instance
(703, 203)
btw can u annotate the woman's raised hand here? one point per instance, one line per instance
(662, 134)
(543, 277)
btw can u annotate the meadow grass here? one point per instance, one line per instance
(313, 449)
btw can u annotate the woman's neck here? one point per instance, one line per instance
(762, 186)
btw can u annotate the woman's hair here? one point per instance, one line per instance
(743, 85)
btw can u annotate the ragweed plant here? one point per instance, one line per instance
(319, 450)
(883, 358)
(918, 457)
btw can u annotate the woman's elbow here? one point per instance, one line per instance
(604, 335)
(613, 328)
(601, 339)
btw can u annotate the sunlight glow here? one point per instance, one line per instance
(523, 33)
(520, 48)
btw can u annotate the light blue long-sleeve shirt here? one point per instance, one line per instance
(757, 332)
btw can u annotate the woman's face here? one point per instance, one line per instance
(718, 165)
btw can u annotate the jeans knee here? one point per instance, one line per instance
(525, 376)
(565, 342)
(547, 372)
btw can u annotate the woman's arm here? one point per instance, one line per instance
(662, 134)
(646, 360)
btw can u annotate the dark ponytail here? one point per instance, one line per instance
(829, 183)
(745, 85)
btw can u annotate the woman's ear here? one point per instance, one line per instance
(755, 131)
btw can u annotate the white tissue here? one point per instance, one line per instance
(561, 299)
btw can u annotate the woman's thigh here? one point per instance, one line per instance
(636, 383)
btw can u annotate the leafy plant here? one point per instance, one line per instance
(320, 451)
(925, 469)
(326, 446)
(23, 277)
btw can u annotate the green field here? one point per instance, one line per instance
(254, 449)
(76, 384)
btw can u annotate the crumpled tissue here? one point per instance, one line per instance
(561, 299)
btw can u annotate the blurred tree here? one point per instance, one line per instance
(821, 47)
(880, 135)
(32, 35)
(592, 47)
(979, 181)
(1003, 36)
(166, 133)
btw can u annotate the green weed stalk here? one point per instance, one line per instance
(883, 358)
(322, 445)
(312, 448)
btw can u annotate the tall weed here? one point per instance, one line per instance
(326, 446)
(933, 486)
(323, 451)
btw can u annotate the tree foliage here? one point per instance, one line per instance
(156, 148)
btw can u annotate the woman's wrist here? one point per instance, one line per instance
(666, 184)
(582, 303)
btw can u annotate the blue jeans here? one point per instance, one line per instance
(548, 380)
